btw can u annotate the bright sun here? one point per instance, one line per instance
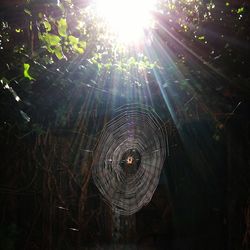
(126, 19)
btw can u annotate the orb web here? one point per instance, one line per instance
(129, 157)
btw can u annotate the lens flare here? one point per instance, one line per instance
(127, 20)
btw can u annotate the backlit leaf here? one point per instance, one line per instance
(73, 40)
(26, 74)
(78, 46)
(47, 26)
(82, 44)
(59, 53)
(240, 10)
(62, 27)
(51, 39)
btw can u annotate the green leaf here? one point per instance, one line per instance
(79, 50)
(18, 30)
(47, 26)
(240, 10)
(26, 74)
(201, 37)
(82, 44)
(73, 40)
(59, 53)
(51, 39)
(132, 61)
(78, 46)
(62, 27)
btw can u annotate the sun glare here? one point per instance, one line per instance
(127, 20)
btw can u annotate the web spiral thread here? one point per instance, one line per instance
(137, 131)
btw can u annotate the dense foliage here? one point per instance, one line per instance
(61, 44)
